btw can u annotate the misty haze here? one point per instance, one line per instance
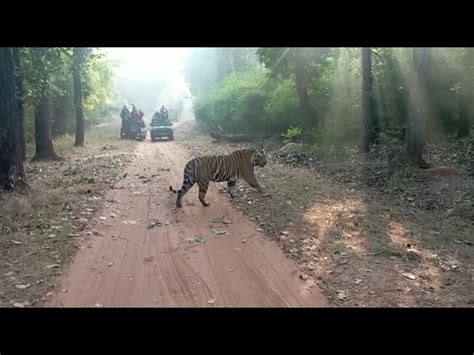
(236, 177)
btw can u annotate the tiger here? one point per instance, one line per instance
(219, 168)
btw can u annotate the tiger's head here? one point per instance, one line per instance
(259, 157)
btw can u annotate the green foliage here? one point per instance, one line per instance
(230, 96)
(42, 69)
(208, 67)
(236, 104)
(292, 134)
(282, 104)
(48, 71)
(99, 77)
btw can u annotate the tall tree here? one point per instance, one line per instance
(297, 62)
(301, 81)
(419, 106)
(21, 100)
(368, 114)
(42, 65)
(12, 173)
(78, 59)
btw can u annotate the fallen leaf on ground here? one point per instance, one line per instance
(221, 220)
(52, 266)
(154, 223)
(408, 275)
(196, 240)
(342, 295)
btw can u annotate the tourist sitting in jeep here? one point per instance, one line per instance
(160, 119)
(161, 127)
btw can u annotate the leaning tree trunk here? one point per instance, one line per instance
(418, 107)
(43, 139)
(309, 115)
(77, 61)
(12, 172)
(368, 115)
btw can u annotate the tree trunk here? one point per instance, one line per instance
(12, 172)
(59, 120)
(464, 124)
(309, 115)
(368, 101)
(466, 105)
(43, 140)
(21, 100)
(77, 61)
(418, 107)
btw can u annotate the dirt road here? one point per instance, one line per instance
(140, 251)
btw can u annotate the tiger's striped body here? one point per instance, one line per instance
(219, 168)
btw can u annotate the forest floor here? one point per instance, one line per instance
(39, 232)
(101, 229)
(368, 240)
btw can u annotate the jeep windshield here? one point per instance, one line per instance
(160, 122)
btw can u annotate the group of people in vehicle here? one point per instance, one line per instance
(137, 115)
(133, 124)
(161, 117)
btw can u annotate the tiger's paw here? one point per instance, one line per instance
(205, 203)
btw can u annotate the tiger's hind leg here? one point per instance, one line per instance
(231, 187)
(187, 184)
(202, 192)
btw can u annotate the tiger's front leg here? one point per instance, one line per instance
(252, 181)
(202, 193)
